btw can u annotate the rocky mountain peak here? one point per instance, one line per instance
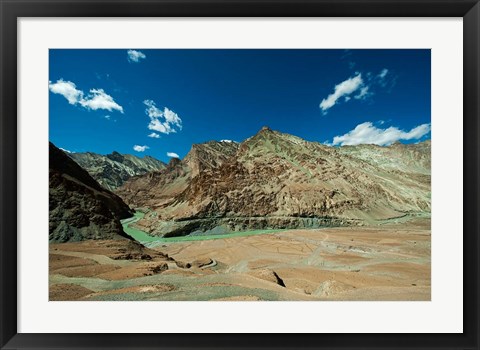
(209, 155)
(265, 129)
(112, 170)
(115, 156)
(268, 142)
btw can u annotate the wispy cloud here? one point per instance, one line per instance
(164, 121)
(138, 148)
(109, 117)
(363, 94)
(135, 56)
(383, 73)
(65, 150)
(367, 133)
(347, 55)
(172, 155)
(361, 86)
(154, 135)
(96, 99)
(386, 79)
(343, 89)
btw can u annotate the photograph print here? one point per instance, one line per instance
(239, 174)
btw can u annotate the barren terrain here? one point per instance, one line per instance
(381, 262)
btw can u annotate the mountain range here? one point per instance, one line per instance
(276, 180)
(112, 170)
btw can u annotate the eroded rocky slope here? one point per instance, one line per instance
(79, 207)
(276, 180)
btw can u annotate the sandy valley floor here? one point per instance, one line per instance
(387, 262)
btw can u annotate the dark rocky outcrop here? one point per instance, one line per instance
(79, 207)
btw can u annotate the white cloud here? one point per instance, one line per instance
(67, 89)
(367, 133)
(363, 94)
(159, 126)
(173, 155)
(164, 121)
(154, 135)
(343, 89)
(96, 99)
(65, 150)
(172, 118)
(108, 117)
(135, 56)
(383, 73)
(152, 110)
(140, 148)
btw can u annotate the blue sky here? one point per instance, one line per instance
(160, 102)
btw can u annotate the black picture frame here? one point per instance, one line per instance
(12, 10)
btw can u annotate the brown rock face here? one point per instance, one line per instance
(157, 189)
(209, 155)
(79, 207)
(275, 180)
